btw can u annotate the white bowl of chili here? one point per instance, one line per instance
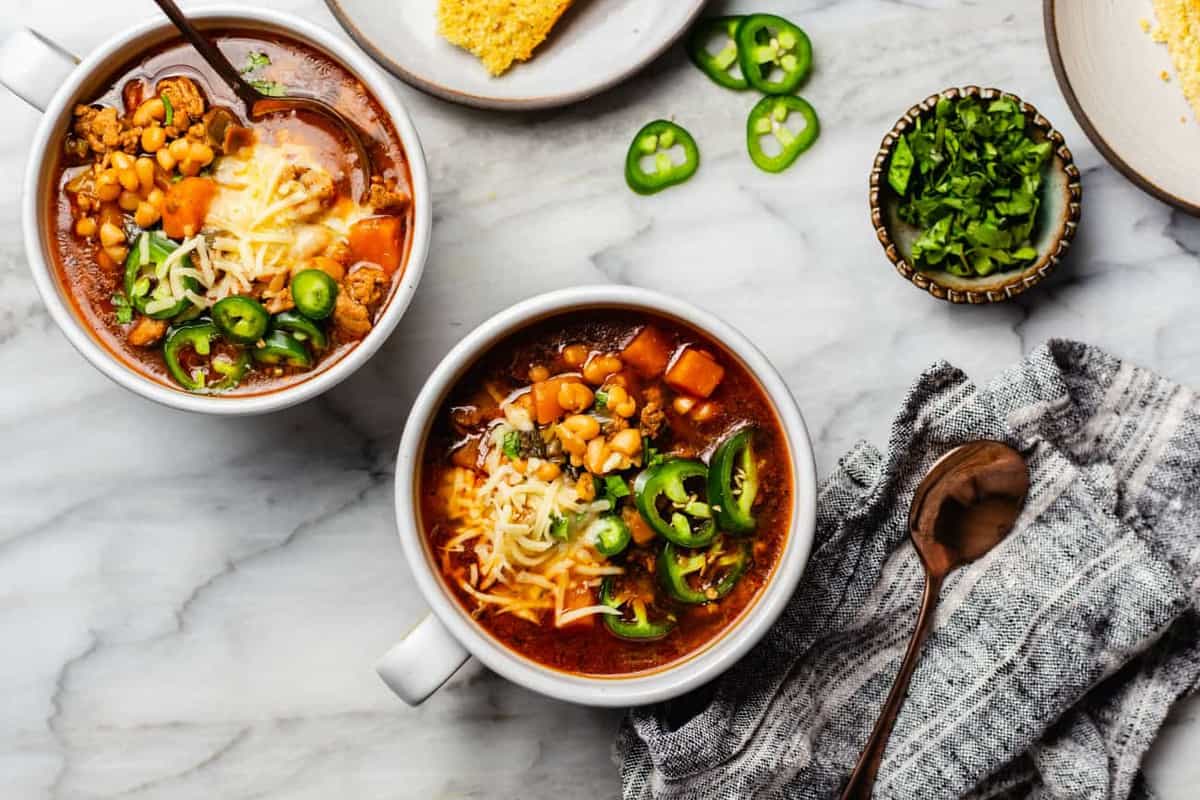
(583, 614)
(294, 354)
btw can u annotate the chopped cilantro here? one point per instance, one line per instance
(970, 178)
(255, 60)
(615, 488)
(650, 455)
(512, 444)
(168, 110)
(123, 308)
(601, 400)
(269, 88)
(560, 528)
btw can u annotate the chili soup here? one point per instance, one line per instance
(217, 254)
(606, 491)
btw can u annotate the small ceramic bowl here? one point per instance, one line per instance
(1058, 216)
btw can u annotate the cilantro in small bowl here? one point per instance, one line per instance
(974, 195)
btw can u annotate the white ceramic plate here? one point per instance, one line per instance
(596, 44)
(1110, 72)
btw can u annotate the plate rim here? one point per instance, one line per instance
(505, 104)
(1144, 183)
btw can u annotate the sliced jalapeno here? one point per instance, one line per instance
(314, 293)
(767, 43)
(733, 482)
(280, 348)
(241, 319)
(654, 141)
(147, 284)
(717, 66)
(698, 577)
(638, 628)
(612, 535)
(669, 498)
(769, 118)
(193, 352)
(301, 328)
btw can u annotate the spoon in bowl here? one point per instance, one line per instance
(961, 510)
(258, 104)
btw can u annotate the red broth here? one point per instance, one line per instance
(467, 447)
(93, 274)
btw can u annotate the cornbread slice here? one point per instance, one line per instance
(1179, 28)
(499, 32)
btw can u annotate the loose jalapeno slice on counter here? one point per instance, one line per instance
(733, 482)
(769, 118)
(241, 319)
(280, 348)
(612, 535)
(699, 577)
(717, 65)
(147, 283)
(314, 293)
(640, 627)
(668, 498)
(654, 141)
(193, 354)
(765, 43)
(301, 328)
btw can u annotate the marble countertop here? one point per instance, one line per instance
(191, 607)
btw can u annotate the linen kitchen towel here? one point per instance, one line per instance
(1053, 660)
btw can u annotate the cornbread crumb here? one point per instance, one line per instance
(1145, 23)
(1179, 28)
(499, 32)
(1166, 76)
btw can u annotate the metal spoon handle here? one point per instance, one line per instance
(209, 52)
(862, 781)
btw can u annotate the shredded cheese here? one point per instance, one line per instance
(504, 520)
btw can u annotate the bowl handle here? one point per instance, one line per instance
(34, 67)
(422, 661)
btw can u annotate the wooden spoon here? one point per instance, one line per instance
(962, 509)
(258, 104)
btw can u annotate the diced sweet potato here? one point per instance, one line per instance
(579, 597)
(648, 353)
(186, 205)
(545, 399)
(695, 372)
(642, 533)
(377, 239)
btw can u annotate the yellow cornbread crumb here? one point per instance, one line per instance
(1145, 23)
(1166, 76)
(499, 32)
(1179, 28)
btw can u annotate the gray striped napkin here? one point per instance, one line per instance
(1053, 660)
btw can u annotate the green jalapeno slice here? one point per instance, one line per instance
(301, 328)
(612, 534)
(280, 348)
(769, 118)
(717, 65)
(703, 576)
(670, 497)
(195, 352)
(147, 284)
(733, 482)
(655, 141)
(241, 319)
(766, 43)
(315, 293)
(634, 620)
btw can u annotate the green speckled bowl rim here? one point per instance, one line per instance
(1019, 281)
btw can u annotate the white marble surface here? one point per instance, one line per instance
(190, 607)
